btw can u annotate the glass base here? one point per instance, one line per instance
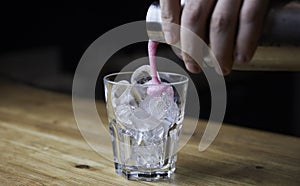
(134, 173)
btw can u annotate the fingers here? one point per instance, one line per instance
(251, 21)
(222, 32)
(194, 18)
(234, 28)
(170, 13)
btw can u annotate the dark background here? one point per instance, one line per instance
(42, 43)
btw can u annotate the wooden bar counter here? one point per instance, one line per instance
(41, 145)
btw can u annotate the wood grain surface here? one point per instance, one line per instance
(41, 145)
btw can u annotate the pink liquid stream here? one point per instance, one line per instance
(156, 90)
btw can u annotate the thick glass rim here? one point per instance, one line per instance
(106, 80)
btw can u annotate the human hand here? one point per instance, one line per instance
(231, 27)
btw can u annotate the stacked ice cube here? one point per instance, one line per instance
(142, 105)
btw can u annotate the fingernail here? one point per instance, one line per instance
(240, 58)
(169, 37)
(225, 71)
(192, 67)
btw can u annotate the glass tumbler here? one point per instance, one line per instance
(144, 127)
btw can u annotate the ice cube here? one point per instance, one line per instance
(176, 94)
(159, 89)
(144, 80)
(119, 93)
(141, 75)
(143, 121)
(139, 92)
(124, 93)
(149, 153)
(173, 110)
(161, 107)
(118, 89)
(149, 156)
(155, 136)
(154, 105)
(124, 114)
